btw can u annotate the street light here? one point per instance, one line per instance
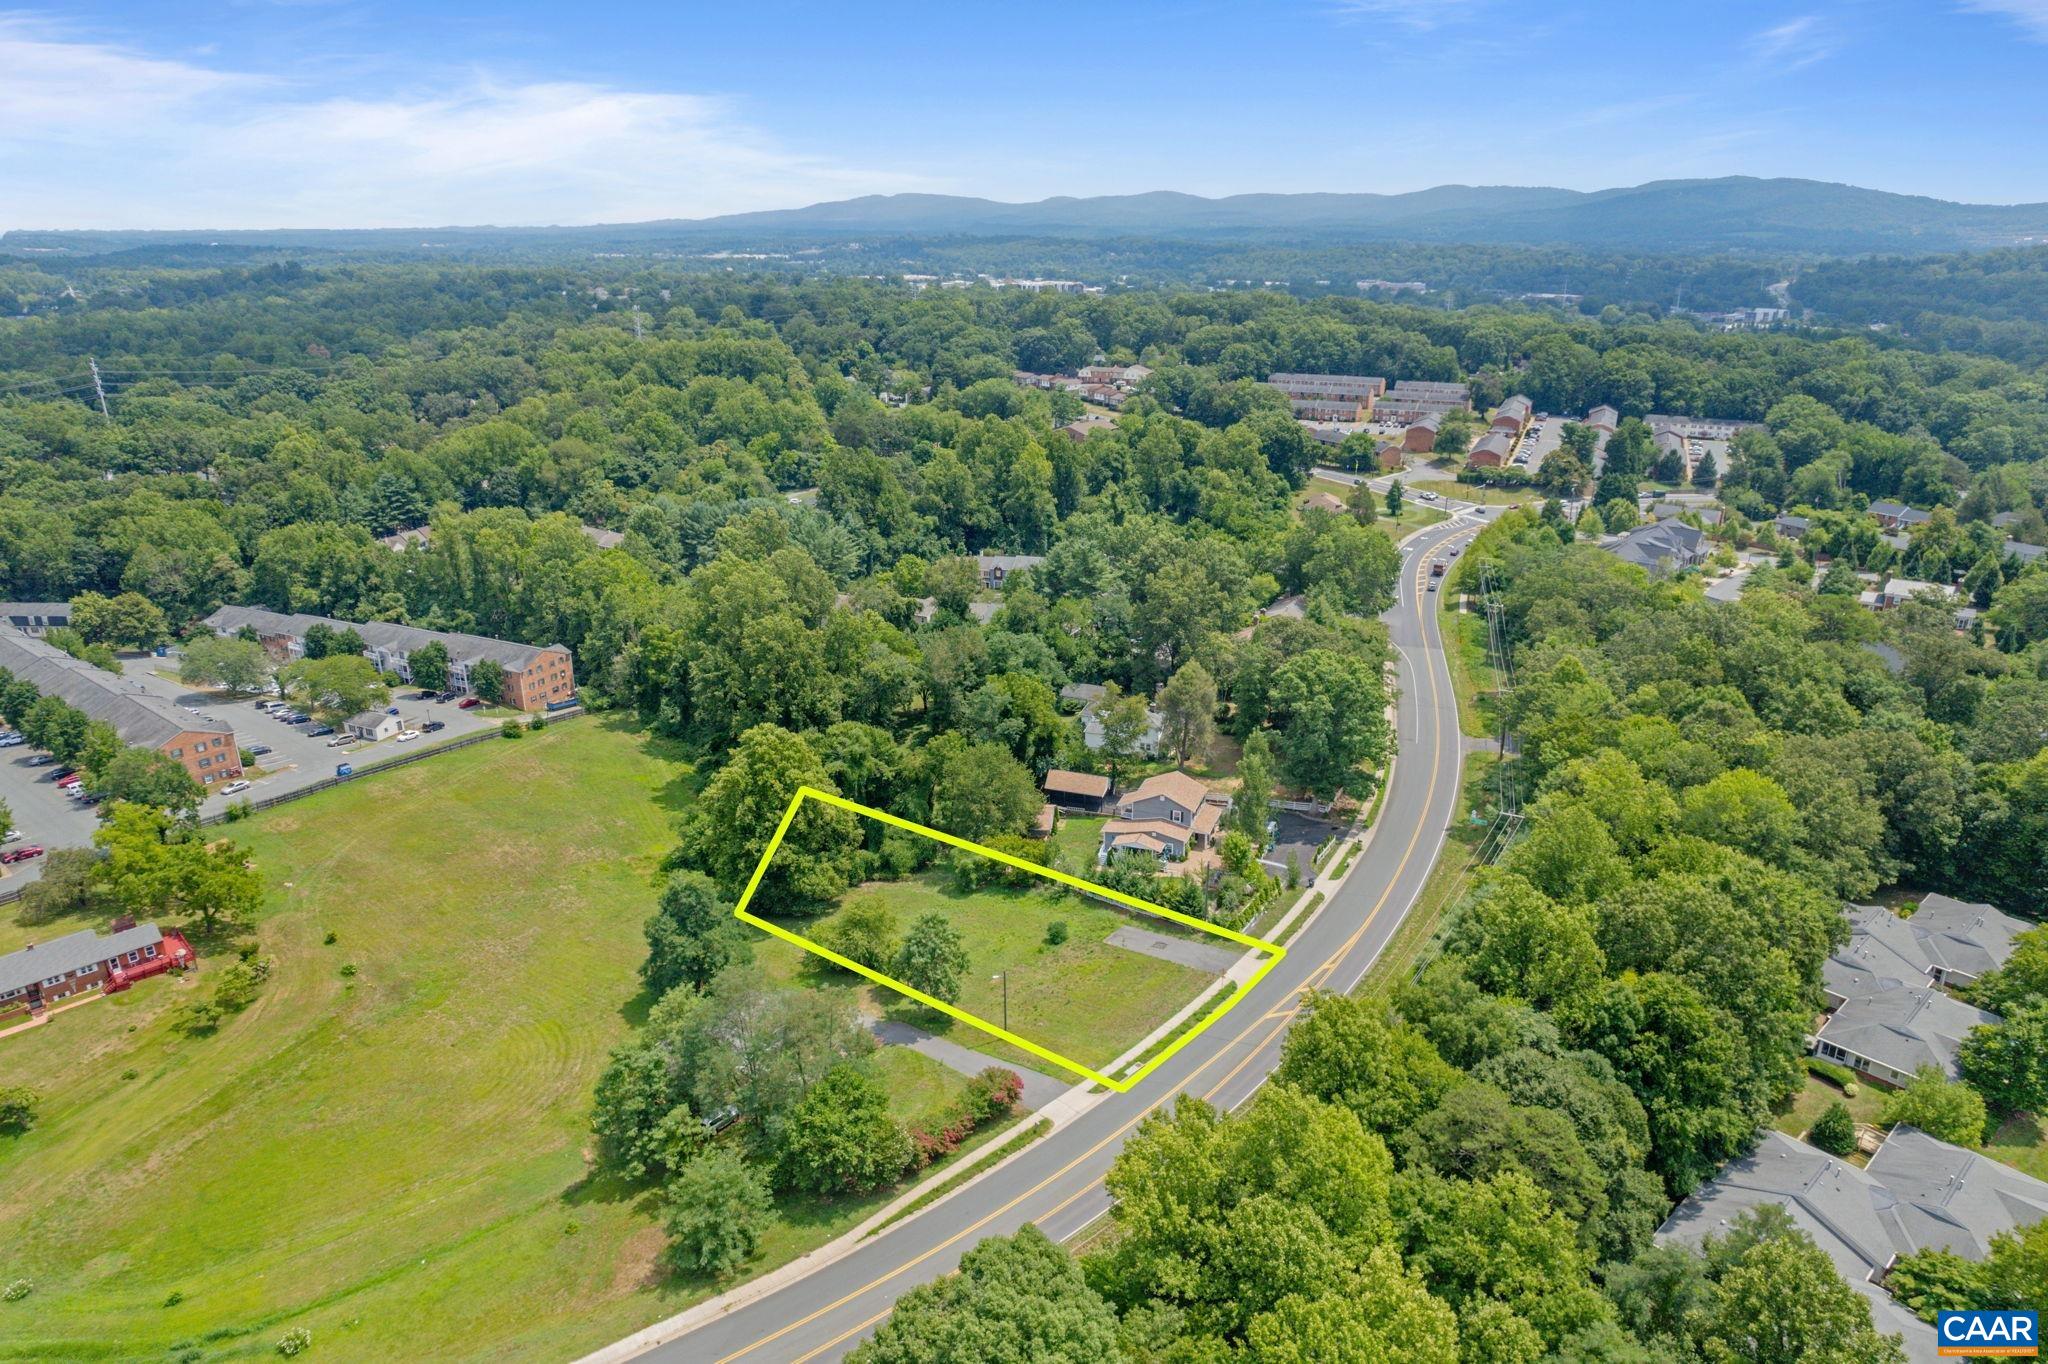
(1004, 977)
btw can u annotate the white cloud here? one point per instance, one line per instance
(2031, 15)
(1420, 15)
(103, 136)
(1794, 44)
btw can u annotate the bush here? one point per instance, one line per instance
(197, 1018)
(865, 933)
(1942, 1108)
(538, 722)
(18, 1105)
(1828, 1070)
(296, 1341)
(718, 1206)
(239, 983)
(1055, 932)
(16, 1291)
(512, 729)
(840, 1137)
(992, 1093)
(1834, 1131)
(237, 811)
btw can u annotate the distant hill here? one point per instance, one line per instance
(1736, 213)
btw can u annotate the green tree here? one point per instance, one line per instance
(1381, 1312)
(728, 827)
(18, 1106)
(147, 777)
(691, 936)
(978, 790)
(1016, 1300)
(718, 1206)
(335, 687)
(1331, 713)
(428, 665)
(1188, 709)
(1780, 1300)
(239, 665)
(1124, 720)
(1395, 495)
(1744, 810)
(932, 958)
(1946, 1109)
(1478, 1132)
(51, 725)
(840, 1137)
(1834, 1131)
(1352, 1050)
(128, 620)
(864, 932)
(487, 680)
(155, 865)
(2007, 1062)
(1251, 805)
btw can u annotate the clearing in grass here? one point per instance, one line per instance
(1073, 973)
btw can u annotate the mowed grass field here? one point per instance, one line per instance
(1085, 999)
(393, 1159)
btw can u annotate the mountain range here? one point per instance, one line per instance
(1735, 213)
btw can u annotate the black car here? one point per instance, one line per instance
(430, 726)
(296, 719)
(58, 774)
(318, 730)
(448, 696)
(91, 798)
(258, 750)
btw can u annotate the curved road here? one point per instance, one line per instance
(1057, 1183)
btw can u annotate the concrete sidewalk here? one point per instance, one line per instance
(1039, 1089)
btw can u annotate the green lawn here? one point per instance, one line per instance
(2021, 1141)
(394, 1160)
(1472, 675)
(1472, 492)
(1798, 1113)
(1084, 999)
(1075, 842)
(1415, 513)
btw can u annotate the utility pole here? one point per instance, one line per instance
(98, 388)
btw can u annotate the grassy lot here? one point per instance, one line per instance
(1075, 842)
(1415, 942)
(1083, 999)
(1415, 514)
(1470, 492)
(1799, 1112)
(1471, 674)
(2021, 1141)
(393, 1159)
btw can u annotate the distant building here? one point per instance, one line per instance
(1792, 527)
(1895, 1031)
(1946, 942)
(401, 540)
(206, 748)
(1897, 515)
(1420, 436)
(1090, 696)
(1328, 502)
(1491, 451)
(1603, 419)
(537, 676)
(1513, 415)
(1393, 286)
(995, 568)
(372, 725)
(1361, 388)
(1168, 815)
(81, 963)
(1082, 791)
(1328, 409)
(35, 618)
(604, 539)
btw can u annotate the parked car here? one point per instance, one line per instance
(258, 750)
(296, 719)
(318, 731)
(23, 853)
(428, 696)
(391, 710)
(471, 702)
(66, 783)
(341, 741)
(11, 740)
(448, 696)
(430, 726)
(406, 736)
(90, 798)
(235, 788)
(11, 836)
(58, 774)
(41, 760)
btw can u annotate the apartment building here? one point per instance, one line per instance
(206, 748)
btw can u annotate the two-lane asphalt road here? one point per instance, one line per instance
(1057, 1183)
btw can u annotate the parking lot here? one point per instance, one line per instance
(296, 759)
(1536, 444)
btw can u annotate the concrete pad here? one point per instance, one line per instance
(1199, 955)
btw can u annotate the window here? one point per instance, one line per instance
(134, 957)
(149, 951)
(53, 980)
(177, 753)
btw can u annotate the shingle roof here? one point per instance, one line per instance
(1178, 787)
(1918, 1193)
(1650, 546)
(69, 953)
(462, 648)
(1963, 937)
(1085, 784)
(1904, 1028)
(141, 718)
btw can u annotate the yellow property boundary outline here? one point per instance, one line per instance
(1274, 952)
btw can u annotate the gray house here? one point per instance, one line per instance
(1946, 942)
(1089, 696)
(1667, 547)
(1891, 1033)
(1917, 1193)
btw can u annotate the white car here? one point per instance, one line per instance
(341, 741)
(1427, 497)
(235, 788)
(11, 740)
(12, 836)
(406, 736)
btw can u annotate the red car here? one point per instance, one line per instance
(469, 702)
(22, 854)
(74, 779)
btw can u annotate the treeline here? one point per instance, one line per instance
(1983, 303)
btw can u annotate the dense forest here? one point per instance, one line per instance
(1466, 1168)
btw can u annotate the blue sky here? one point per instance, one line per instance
(263, 113)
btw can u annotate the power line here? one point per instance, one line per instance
(99, 389)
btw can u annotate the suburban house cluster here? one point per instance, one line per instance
(1896, 520)
(1102, 384)
(537, 677)
(206, 748)
(36, 618)
(1889, 1007)
(1916, 1193)
(87, 962)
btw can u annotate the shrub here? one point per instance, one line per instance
(1055, 932)
(1828, 1070)
(1834, 1131)
(992, 1093)
(237, 811)
(512, 729)
(176, 1297)
(296, 1341)
(1942, 1108)
(329, 938)
(197, 1017)
(538, 722)
(840, 1137)
(16, 1291)
(239, 983)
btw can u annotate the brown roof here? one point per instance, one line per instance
(1207, 818)
(1048, 816)
(1076, 783)
(1165, 828)
(1176, 786)
(1141, 842)
(1327, 501)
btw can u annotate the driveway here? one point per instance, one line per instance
(1200, 956)
(1039, 1089)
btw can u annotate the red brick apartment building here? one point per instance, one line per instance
(81, 963)
(206, 747)
(537, 676)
